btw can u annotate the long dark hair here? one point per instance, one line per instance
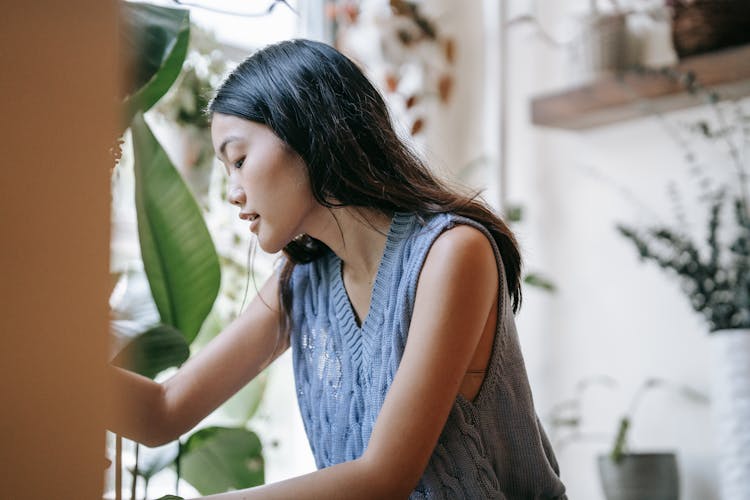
(323, 107)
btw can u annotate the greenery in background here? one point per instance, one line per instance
(179, 259)
(184, 108)
(714, 271)
(203, 70)
(514, 215)
(568, 414)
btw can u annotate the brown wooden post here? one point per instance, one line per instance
(57, 121)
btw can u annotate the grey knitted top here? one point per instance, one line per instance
(491, 447)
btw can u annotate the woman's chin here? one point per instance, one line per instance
(269, 246)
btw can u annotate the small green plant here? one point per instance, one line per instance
(717, 283)
(514, 215)
(568, 414)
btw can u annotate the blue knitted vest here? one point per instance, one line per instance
(491, 447)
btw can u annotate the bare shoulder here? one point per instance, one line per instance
(461, 248)
(459, 269)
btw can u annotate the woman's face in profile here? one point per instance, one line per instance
(268, 182)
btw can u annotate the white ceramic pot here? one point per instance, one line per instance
(730, 402)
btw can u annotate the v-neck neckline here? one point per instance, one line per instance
(344, 309)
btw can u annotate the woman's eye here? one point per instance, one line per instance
(239, 162)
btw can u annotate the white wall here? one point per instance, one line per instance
(612, 314)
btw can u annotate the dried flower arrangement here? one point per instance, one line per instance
(411, 47)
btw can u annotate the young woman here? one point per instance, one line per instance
(395, 294)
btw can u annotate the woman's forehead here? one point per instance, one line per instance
(224, 127)
(227, 130)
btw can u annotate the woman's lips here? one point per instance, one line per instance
(251, 217)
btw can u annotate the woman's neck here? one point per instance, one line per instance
(357, 236)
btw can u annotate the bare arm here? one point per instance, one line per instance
(455, 294)
(154, 414)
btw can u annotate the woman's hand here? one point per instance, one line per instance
(155, 414)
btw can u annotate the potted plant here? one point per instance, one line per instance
(714, 271)
(181, 267)
(700, 26)
(624, 474)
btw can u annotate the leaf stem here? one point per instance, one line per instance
(118, 467)
(177, 461)
(134, 483)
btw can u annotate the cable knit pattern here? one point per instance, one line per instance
(491, 448)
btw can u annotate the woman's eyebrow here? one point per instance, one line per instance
(223, 147)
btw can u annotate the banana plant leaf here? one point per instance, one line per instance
(153, 44)
(154, 351)
(178, 254)
(216, 459)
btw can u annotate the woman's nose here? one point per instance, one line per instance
(236, 196)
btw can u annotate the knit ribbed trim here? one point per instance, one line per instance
(359, 337)
(504, 322)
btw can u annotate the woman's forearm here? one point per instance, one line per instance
(354, 479)
(139, 408)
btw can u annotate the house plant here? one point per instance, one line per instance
(714, 271)
(700, 26)
(624, 474)
(179, 261)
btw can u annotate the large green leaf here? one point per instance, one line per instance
(216, 459)
(178, 254)
(154, 351)
(154, 42)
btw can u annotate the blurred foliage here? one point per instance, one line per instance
(568, 415)
(154, 42)
(513, 214)
(153, 351)
(179, 257)
(216, 459)
(714, 269)
(202, 71)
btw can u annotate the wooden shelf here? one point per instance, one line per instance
(619, 97)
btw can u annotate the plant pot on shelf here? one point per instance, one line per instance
(730, 404)
(700, 26)
(640, 476)
(603, 42)
(601, 45)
